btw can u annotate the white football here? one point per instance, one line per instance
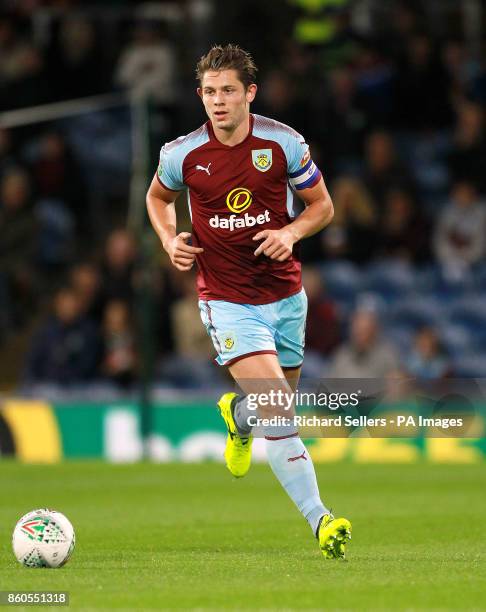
(43, 538)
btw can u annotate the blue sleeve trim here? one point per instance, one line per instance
(310, 182)
(302, 170)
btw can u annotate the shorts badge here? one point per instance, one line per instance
(229, 340)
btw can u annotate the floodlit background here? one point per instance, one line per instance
(390, 96)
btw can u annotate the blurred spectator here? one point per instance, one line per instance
(75, 66)
(190, 338)
(421, 90)
(19, 233)
(57, 236)
(459, 68)
(190, 366)
(330, 28)
(299, 63)
(61, 204)
(374, 86)
(147, 66)
(460, 233)
(364, 355)
(428, 359)
(383, 170)
(17, 221)
(323, 327)
(119, 357)
(352, 232)
(278, 99)
(403, 231)
(85, 280)
(22, 79)
(118, 267)
(66, 348)
(343, 129)
(57, 177)
(404, 20)
(467, 160)
(398, 387)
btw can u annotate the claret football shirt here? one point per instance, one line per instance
(234, 192)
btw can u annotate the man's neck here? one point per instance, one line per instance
(234, 137)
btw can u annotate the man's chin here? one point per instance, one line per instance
(223, 124)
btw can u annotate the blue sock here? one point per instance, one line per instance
(292, 465)
(241, 412)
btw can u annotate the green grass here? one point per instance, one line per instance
(188, 536)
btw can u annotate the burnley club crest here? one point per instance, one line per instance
(262, 159)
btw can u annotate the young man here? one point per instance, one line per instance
(238, 169)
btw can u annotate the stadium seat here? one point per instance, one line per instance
(470, 365)
(480, 279)
(391, 280)
(470, 312)
(415, 312)
(435, 279)
(342, 280)
(425, 154)
(401, 337)
(188, 373)
(456, 339)
(56, 238)
(315, 365)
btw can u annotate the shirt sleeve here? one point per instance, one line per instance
(302, 171)
(169, 170)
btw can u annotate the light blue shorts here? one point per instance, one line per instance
(240, 330)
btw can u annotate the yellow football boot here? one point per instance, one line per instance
(238, 450)
(333, 535)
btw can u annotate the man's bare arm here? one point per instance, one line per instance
(318, 213)
(161, 210)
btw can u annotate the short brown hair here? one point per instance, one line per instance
(230, 57)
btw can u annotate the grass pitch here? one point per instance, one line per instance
(188, 536)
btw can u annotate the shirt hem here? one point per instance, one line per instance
(234, 300)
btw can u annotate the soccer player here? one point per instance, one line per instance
(241, 171)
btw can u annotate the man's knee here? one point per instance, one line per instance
(275, 399)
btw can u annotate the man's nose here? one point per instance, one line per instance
(218, 99)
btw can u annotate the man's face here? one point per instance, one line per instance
(66, 306)
(225, 98)
(363, 330)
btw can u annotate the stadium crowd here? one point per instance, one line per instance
(395, 117)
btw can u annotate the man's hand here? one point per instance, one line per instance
(277, 245)
(181, 254)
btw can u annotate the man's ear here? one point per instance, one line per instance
(251, 92)
(199, 92)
